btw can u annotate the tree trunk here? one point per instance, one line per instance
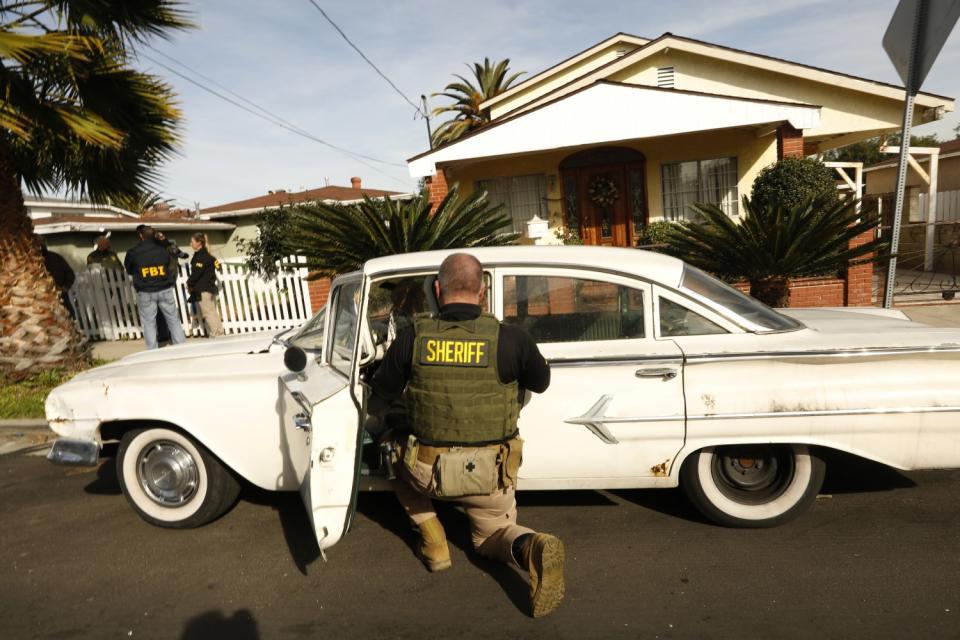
(36, 332)
(774, 292)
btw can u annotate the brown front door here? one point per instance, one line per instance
(603, 200)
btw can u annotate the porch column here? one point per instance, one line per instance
(789, 142)
(437, 188)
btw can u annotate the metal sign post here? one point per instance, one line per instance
(912, 89)
(925, 25)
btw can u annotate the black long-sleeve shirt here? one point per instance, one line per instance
(203, 272)
(518, 358)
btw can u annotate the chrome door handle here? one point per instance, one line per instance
(302, 421)
(667, 373)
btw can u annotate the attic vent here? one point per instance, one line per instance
(621, 53)
(665, 77)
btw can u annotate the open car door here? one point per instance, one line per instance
(321, 419)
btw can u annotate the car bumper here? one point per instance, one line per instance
(74, 453)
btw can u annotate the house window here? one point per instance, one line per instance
(522, 197)
(707, 181)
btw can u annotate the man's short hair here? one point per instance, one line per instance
(460, 273)
(145, 231)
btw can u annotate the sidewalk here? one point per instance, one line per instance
(115, 349)
(944, 314)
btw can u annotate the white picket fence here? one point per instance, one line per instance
(106, 303)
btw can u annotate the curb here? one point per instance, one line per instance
(23, 423)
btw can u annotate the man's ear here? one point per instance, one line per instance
(436, 290)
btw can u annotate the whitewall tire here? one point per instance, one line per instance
(752, 485)
(171, 480)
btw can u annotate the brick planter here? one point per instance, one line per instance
(822, 291)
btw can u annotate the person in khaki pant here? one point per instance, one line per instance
(202, 284)
(462, 375)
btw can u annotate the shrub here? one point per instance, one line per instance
(655, 233)
(793, 181)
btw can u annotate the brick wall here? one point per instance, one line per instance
(437, 188)
(789, 142)
(811, 292)
(859, 282)
(319, 291)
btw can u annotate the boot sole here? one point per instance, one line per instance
(550, 586)
(433, 567)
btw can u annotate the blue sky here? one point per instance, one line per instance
(285, 57)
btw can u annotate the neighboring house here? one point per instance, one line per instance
(242, 214)
(70, 226)
(881, 184)
(633, 130)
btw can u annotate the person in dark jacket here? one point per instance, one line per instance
(463, 374)
(103, 255)
(202, 284)
(148, 264)
(63, 276)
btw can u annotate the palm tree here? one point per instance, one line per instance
(140, 202)
(489, 80)
(75, 118)
(337, 238)
(772, 244)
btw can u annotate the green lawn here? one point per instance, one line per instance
(24, 399)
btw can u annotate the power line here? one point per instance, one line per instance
(368, 61)
(290, 125)
(276, 121)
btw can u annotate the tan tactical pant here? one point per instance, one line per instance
(493, 518)
(209, 314)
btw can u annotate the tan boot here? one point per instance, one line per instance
(433, 550)
(543, 558)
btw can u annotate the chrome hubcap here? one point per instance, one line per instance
(168, 473)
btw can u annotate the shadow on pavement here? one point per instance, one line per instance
(106, 482)
(669, 502)
(214, 624)
(849, 474)
(297, 530)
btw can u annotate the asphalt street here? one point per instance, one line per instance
(877, 556)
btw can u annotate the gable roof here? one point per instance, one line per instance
(283, 198)
(739, 56)
(637, 41)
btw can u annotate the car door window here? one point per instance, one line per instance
(344, 327)
(567, 309)
(677, 320)
(395, 301)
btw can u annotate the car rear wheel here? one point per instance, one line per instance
(172, 481)
(752, 485)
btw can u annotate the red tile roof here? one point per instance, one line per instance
(278, 198)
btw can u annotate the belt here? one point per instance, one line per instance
(429, 454)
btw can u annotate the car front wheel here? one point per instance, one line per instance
(172, 481)
(752, 485)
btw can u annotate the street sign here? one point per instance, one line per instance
(914, 38)
(936, 25)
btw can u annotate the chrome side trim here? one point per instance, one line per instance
(591, 362)
(841, 353)
(595, 420)
(822, 412)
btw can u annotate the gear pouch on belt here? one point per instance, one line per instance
(510, 464)
(468, 472)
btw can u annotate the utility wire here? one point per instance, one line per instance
(274, 121)
(368, 61)
(282, 121)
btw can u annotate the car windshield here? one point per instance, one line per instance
(310, 336)
(705, 286)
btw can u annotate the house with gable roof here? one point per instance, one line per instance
(634, 130)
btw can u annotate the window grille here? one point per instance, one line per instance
(706, 181)
(522, 197)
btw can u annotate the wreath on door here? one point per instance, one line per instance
(602, 191)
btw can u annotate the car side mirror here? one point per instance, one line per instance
(295, 359)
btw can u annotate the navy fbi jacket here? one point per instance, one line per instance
(150, 265)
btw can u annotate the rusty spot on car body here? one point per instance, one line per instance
(106, 389)
(709, 403)
(661, 469)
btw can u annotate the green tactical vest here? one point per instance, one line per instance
(454, 394)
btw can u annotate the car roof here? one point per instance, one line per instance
(646, 264)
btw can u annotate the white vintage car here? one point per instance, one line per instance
(661, 376)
